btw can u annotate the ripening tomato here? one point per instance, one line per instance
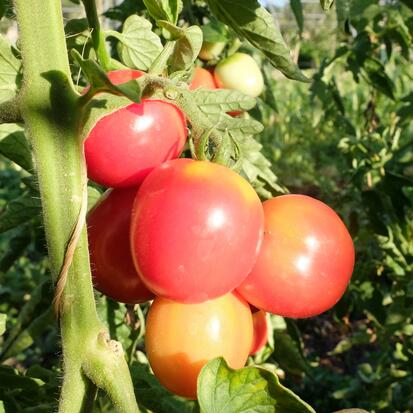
(306, 259)
(182, 338)
(202, 78)
(211, 51)
(260, 336)
(111, 261)
(196, 230)
(124, 146)
(239, 72)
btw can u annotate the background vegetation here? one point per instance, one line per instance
(347, 139)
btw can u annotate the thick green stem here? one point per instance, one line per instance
(98, 36)
(51, 111)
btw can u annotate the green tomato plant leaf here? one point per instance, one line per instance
(187, 45)
(215, 31)
(138, 45)
(9, 70)
(3, 318)
(297, 8)
(18, 211)
(164, 9)
(216, 102)
(99, 82)
(253, 22)
(16, 148)
(250, 389)
(326, 4)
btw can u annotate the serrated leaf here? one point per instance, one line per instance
(326, 4)
(16, 148)
(18, 211)
(138, 45)
(215, 102)
(3, 318)
(164, 9)
(187, 49)
(252, 21)
(9, 69)
(297, 8)
(99, 81)
(251, 389)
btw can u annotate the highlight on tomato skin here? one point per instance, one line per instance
(113, 271)
(306, 259)
(202, 79)
(196, 230)
(125, 145)
(182, 338)
(260, 336)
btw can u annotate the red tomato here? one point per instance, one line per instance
(182, 338)
(196, 230)
(260, 336)
(202, 78)
(111, 261)
(124, 146)
(306, 259)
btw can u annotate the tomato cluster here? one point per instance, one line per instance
(195, 236)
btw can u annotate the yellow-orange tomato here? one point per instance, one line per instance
(182, 338)
(202, 78)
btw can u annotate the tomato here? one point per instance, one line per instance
(202, 78)
(239, 72)
(210, 51)
(260, 336)
(306, 259)
(124, 146)
(182, 338)
(196, 230)
(111, 260)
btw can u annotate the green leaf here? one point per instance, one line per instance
(342, 12)
(16, 148)
(352, 411)
(251, 389)
(138, 45)
(216, 102)
(99, 81)
(93, 196)
(186, 48)
(3, 318)
(215, 32)
(15, 249)
(13, 380)
(252, 21)
(18, 211)
(297, 8)
(326, 4)
(9, 69)
(378, 77)
(164, 9)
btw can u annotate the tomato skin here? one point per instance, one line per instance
(260, 336)
(306, 259)
(111, 260)
(211, 51)
(196, 230)
(182, 338)
(202, 78)
(124, 146)
(239, 72)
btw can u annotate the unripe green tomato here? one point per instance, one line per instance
(211, 51)
(240, 72)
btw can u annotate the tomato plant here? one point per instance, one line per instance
(111, 260)
(240, 72)
(196, 229)
(306, 259)
(182, 338)
(124, 146)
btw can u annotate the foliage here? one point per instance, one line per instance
(346, 138)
